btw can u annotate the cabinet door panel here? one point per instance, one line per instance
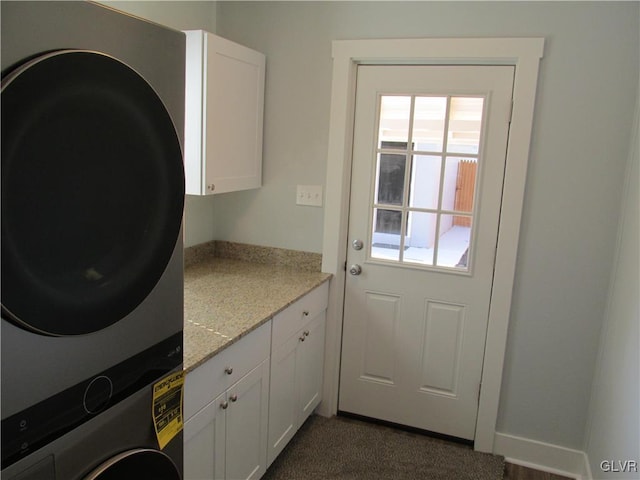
(211, 379)
(204, 443)
(283, 398)
(246, 452)
(234, 103)
(311, 367)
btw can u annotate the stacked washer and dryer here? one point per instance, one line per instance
(92, 275)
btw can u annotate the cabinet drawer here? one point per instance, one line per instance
(294, 317)
(211, 379)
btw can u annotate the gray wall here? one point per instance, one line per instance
(587, 88)
(614, 431)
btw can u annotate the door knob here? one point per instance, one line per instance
(357, 244)
(355, 269)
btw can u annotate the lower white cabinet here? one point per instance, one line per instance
(297, 365)
(244, 405)
(227, 439)
(227, 407)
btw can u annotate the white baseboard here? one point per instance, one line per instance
(542, 456)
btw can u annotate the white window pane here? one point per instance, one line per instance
(425, 181)
(390, 183)
(458, 190)
(387, 225)
(465, 122)
(421, 234)
(453, 244)
(428, 123)
(394, 119)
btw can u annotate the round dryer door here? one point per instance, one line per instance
(92, 192)
(137, 464)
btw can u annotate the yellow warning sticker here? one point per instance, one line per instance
(167, 407)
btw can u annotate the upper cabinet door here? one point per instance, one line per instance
(223, 116)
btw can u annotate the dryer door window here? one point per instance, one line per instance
(92, 192)
(141, 463)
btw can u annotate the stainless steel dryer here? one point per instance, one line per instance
(92, 203)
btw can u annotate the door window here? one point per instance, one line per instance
(427, 154)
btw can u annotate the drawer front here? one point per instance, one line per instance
(247, 353)
(298, 314)
(215, 376)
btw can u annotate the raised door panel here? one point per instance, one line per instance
(441, 348)
(204, 443)
(246, 423)
(283, 400)
(311, 367)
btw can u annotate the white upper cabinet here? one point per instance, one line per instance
(224, 106)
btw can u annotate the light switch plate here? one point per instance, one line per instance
(309, 195)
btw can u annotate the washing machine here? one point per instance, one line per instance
(92, 268)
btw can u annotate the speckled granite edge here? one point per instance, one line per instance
(303, 261)
(205, 340)
(225, 299)
(231, 289)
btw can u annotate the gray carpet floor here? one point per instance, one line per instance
(344, 448)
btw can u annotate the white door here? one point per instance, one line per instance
(428, 166)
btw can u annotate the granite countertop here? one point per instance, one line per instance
(226, 298)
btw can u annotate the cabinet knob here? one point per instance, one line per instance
(228, 370)
(302, 338)
(224, 405)
(306, 333)
(233, 398)
(305, 313)
(211, 187)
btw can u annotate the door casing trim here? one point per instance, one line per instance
(525, 55)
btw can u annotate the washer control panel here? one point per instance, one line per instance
(40, 424)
